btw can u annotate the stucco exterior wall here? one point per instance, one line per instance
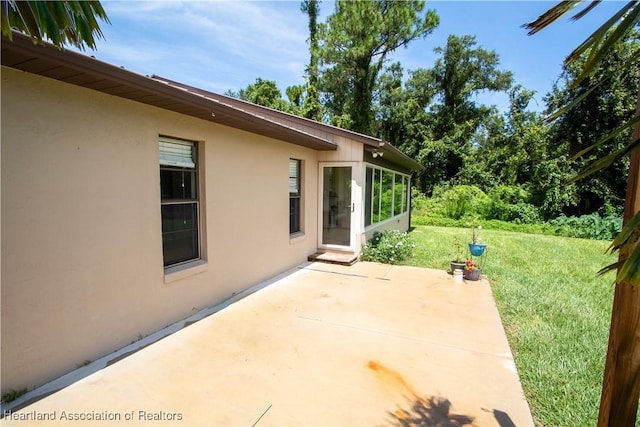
(82, 270)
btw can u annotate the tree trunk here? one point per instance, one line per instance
(362, 92)
(621, 383)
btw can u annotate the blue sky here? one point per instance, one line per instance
(226, 45)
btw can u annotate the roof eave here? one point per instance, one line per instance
(245, 105)
(397, 156)
(208, 109)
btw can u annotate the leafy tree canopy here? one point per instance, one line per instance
(436, 116)
(355, 43)
(462, 71)
(262, 92)
(608, 99)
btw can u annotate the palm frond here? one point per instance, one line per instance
(617, 131)
(629, 272)
(628, 269)
(586, 10)
(6, 26)
(629, 20)
(606, 161)
(628, 243)
(629, 234)
(49, 26)
(595, 38)
(574, 102)
(550, 16)
(61, 22)
(26, 19)
(611, 267)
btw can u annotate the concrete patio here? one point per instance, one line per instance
(329, 345)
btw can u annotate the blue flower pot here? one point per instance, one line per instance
(477, 249)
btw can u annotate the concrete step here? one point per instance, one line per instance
(334, 257)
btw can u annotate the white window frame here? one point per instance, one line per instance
(404, 202)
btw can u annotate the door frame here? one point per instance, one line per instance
(354, 211)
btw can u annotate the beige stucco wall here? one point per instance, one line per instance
(81, 234)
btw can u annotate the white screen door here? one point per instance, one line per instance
(337, 207)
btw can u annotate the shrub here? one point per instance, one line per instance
(591, 226)
(458, 201)
(420, 203)
(389, 247)
(437, 221)
(511, 203)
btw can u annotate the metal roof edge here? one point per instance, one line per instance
(365, 139)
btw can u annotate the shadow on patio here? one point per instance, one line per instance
(323, 345)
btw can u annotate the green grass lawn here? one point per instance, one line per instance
(554, 308)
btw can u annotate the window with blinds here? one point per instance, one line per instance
(177, 153)
(179, 201)
(294, 195)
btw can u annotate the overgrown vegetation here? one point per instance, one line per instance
(505, 208)
(554, 308)
(433, 115)
(389, 247)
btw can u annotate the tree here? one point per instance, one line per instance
(262, 92)
(401, 110)
(621, 381)
(312, 108)
(356, 41)
(447, 90)
(600, 112)
(514, 149)
(61, 22)
(296, 97)
(462, 71)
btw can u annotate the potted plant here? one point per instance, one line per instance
(476, 247)
(458, 262)
(471, 270)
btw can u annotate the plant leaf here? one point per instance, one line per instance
(594, 39)
(596, 55)
(630, 233)
(629, 267)
(28, 18)
(47, 23)
(61, 22)
(6, 25)
(551, 16)
(570, 105)
(607, 137)
(586, 10)
(605, 161)
(610, 267)
(630, 270)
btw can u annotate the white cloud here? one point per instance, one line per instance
(229, 44)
